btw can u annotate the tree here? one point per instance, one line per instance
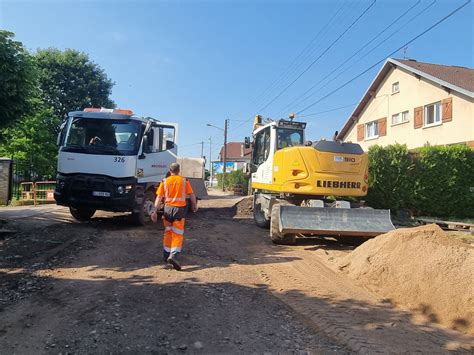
(32, 137)
(17, 79)
(70, 81)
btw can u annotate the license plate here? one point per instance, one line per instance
(101, 193)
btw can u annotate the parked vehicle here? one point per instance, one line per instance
(292, 178)
(112, 160)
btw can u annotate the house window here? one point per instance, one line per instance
(432, 114)
(395, 87)
(405, 116)
(400, 117)
(372, 130)
(396, 118)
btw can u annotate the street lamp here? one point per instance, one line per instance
(226, 124)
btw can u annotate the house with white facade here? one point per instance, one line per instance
(414, 103)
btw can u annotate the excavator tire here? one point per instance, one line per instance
(276, 236)
(259, 216)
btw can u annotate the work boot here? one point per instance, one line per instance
(166, 255)
(173, 262)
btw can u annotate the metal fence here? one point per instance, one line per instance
(32, 181)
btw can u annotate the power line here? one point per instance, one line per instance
(380, 61)
(330, 110)
(304, 53)
(319, 57)
(312, 63)
(298, 100)
(371, 50)
(190, 145)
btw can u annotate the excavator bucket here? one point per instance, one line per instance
(362, 222)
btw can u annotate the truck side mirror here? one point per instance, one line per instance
(144, 147)
(247, 143)
(60, 139)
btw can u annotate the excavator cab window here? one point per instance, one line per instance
(289, 138)
(262, 146)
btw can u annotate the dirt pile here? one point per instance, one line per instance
(245, 207)
(422, 269)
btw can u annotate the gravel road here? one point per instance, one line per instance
(101, 287)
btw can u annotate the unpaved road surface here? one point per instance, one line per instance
(101, 287)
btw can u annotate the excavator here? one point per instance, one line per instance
(303, 189)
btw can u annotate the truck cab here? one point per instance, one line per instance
(112, 160)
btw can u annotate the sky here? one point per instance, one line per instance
(200, 62)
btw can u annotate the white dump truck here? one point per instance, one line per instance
(113, 160)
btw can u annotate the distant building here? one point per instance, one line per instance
(237, 153)
(237, 156)
(414, 103)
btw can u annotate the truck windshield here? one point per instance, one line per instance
(99, 136)
(287, 137)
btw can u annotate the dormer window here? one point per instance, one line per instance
(395, 87)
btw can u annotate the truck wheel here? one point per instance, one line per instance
(276, 236)
(82, 214)
(142, 217)
(259, 216)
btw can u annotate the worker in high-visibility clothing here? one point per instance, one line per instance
(172, 192)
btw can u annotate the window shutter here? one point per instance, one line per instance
(447, 109)
(360, 132)
(383, 127)
(418, 121)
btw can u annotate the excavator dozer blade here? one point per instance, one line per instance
(362, 222)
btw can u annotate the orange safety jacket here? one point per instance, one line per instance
(174, 190)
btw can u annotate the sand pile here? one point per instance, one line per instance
(422, 269)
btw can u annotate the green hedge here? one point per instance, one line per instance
(233, 179)
(431, 181)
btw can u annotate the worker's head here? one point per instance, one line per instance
(174, 168)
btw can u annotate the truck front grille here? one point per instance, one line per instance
(82, 186)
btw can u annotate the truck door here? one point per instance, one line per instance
(159, 150)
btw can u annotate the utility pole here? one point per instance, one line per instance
(225, 152)
(226, 126)
(210, 161)
(202, 149)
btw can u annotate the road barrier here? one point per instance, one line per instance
(38, 192)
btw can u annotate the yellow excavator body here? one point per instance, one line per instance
(302, 188)
(308, 171)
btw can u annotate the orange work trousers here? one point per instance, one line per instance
(173, 236)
